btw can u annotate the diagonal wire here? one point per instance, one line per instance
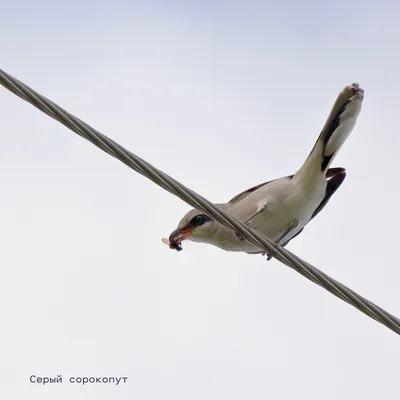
(195, 200)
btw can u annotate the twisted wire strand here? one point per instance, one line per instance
(197, 201)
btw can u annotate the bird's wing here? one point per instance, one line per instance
(242, 195)
(335, 178)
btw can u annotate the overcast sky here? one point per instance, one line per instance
(222, 96)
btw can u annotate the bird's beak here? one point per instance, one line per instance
(177, 236)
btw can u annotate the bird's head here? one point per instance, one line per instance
(195, 226)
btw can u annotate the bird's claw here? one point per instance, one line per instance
(239, 235)
(269, 255)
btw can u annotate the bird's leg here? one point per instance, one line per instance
(247, 221)
(240, 235)
(260, 209)
(292, 225)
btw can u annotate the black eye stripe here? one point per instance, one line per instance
(199, 219)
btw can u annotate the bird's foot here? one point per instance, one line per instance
(269, 255)
(240, 236)
(293, 225)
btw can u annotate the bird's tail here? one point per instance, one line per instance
(337, 128)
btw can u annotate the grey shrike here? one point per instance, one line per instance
(280, 209)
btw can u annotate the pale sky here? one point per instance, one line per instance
(222, 96)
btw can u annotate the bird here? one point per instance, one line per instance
(280, 209)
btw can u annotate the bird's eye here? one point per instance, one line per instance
(199, 219)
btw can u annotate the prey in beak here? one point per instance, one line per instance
(187, 228)
(176, 237)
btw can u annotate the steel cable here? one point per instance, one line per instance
(195, 200)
